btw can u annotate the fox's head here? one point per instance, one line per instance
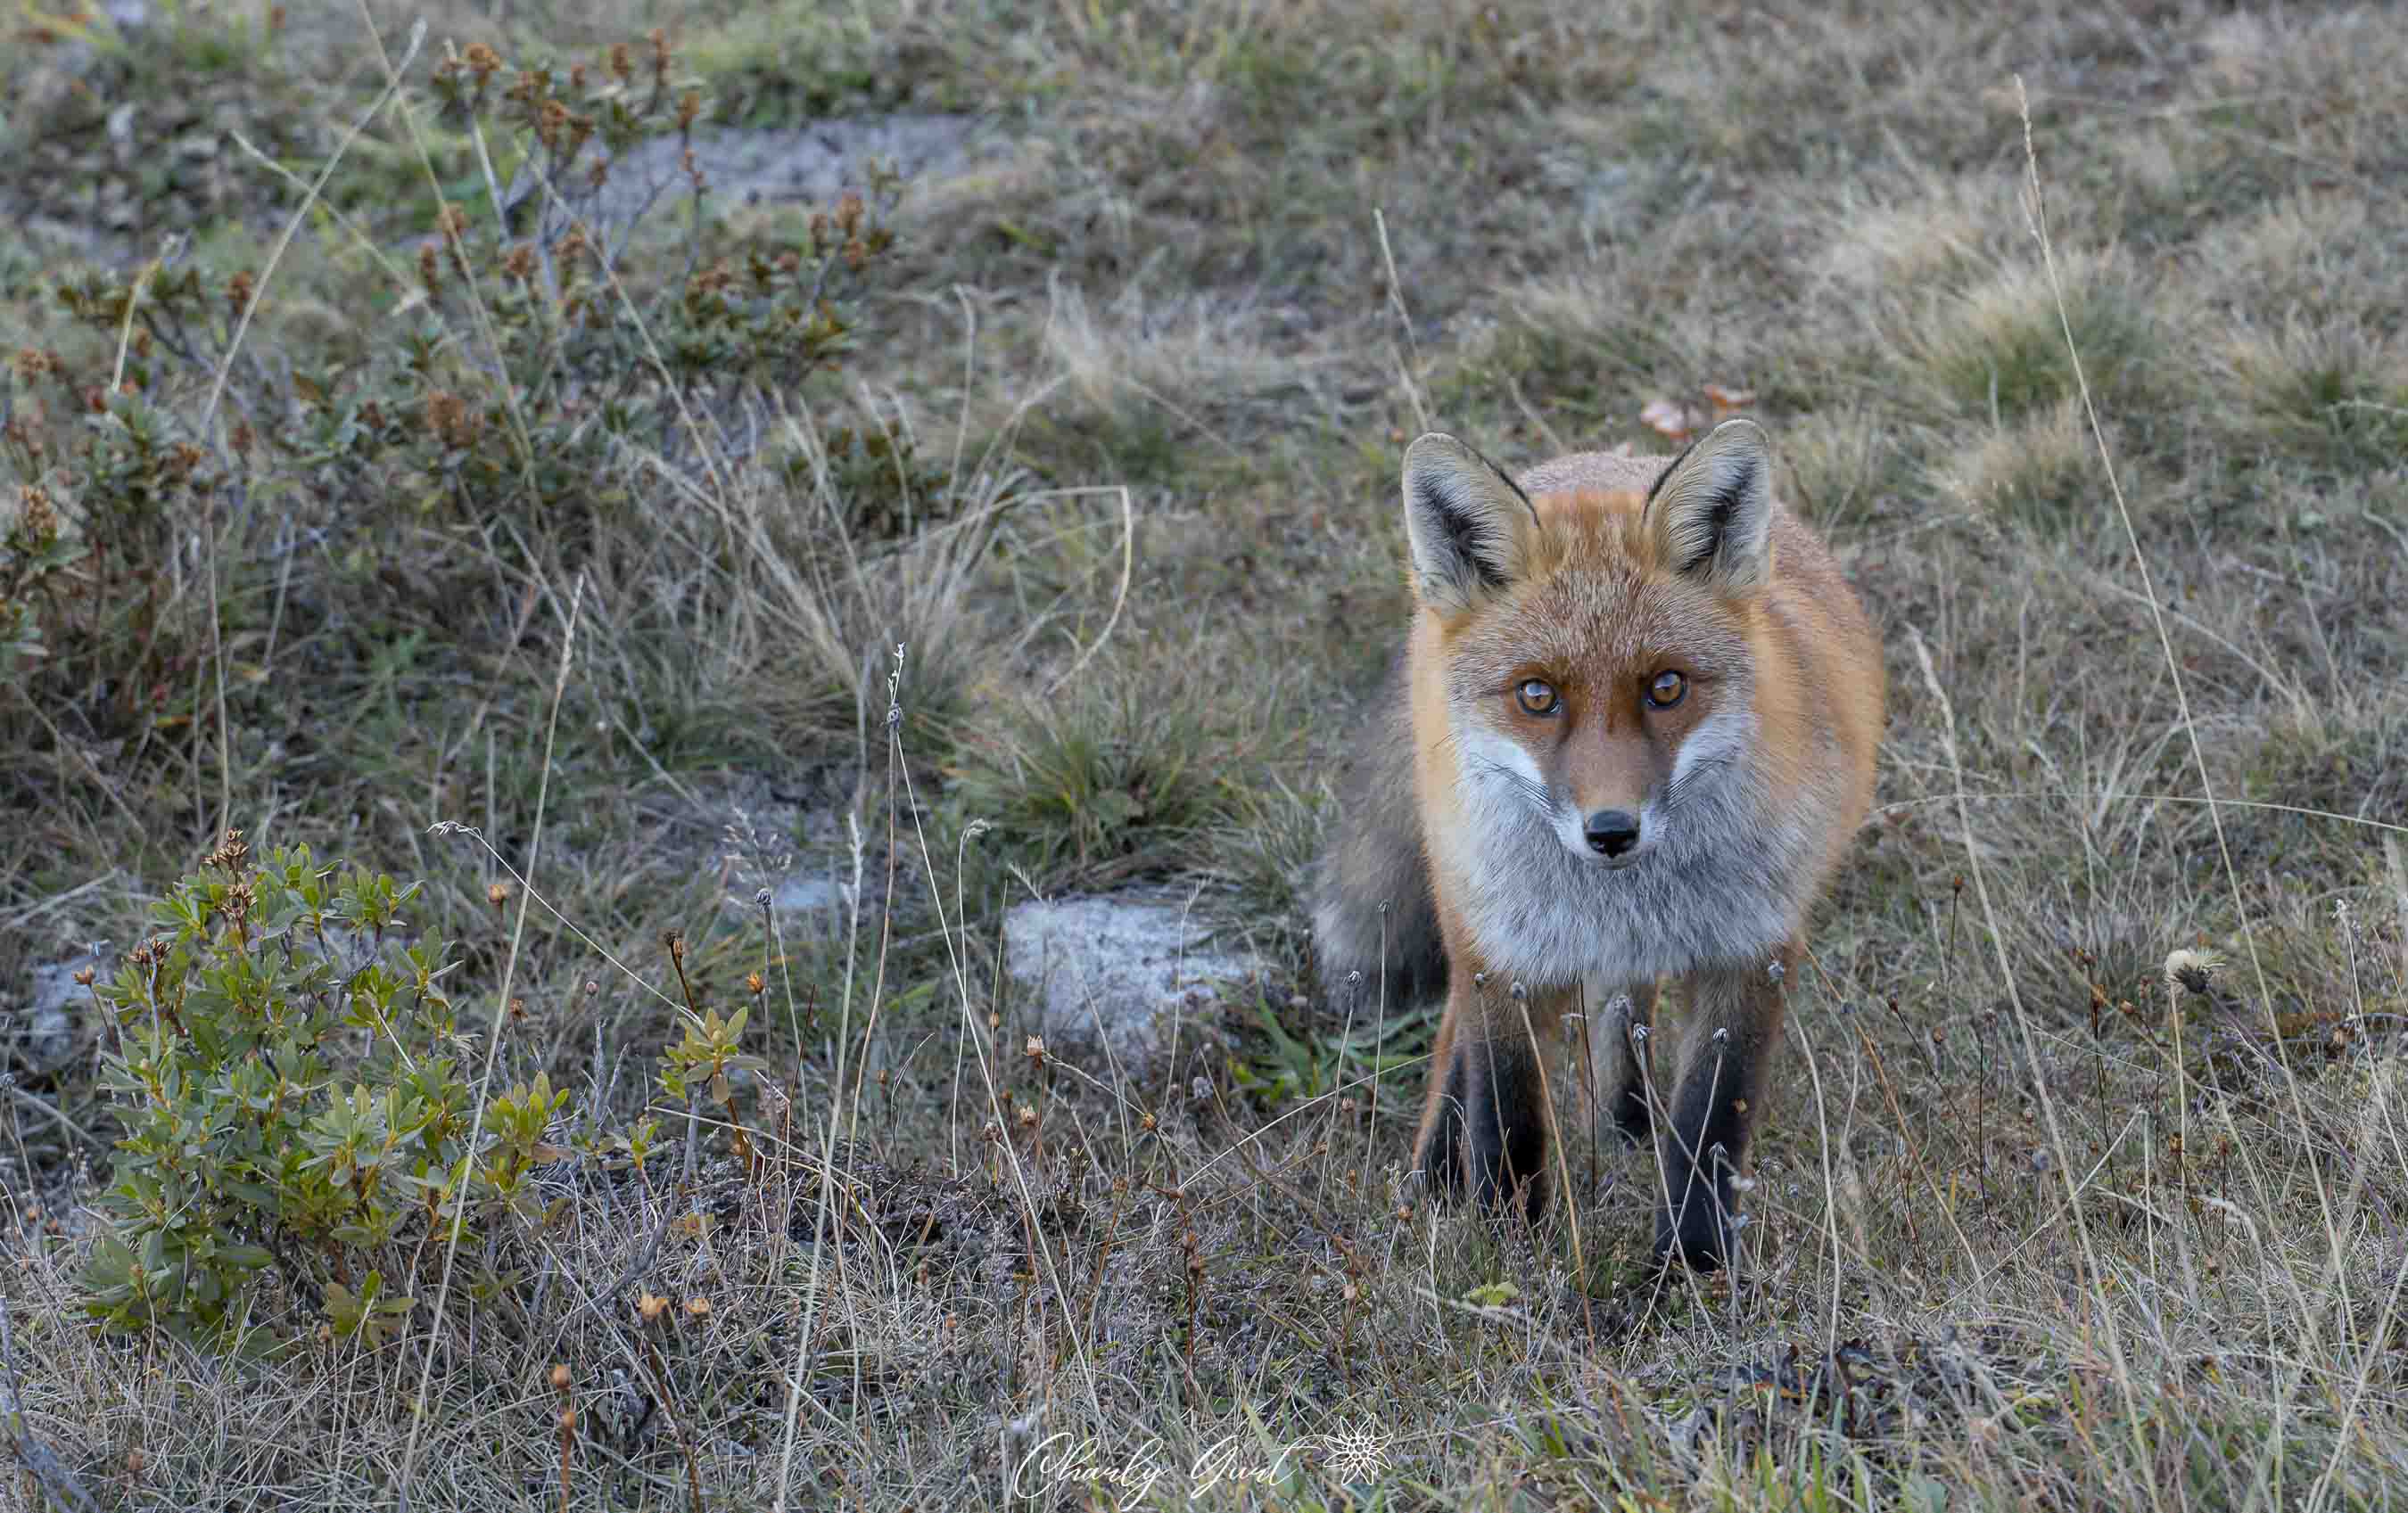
(1598, 644)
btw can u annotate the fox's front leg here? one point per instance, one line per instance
(1735, 1022)
(1484, 1122)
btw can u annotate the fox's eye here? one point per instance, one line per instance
(1667, 689)
(1536, 696)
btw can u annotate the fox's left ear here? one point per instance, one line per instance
(1711, 511)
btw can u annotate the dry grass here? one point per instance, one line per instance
(2035, 1222)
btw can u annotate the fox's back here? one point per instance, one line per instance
(1603, 472)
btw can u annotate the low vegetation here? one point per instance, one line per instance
(463, 571)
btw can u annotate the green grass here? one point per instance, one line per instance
(1170, 280)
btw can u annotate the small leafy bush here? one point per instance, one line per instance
(89, 622)
(293, 1108)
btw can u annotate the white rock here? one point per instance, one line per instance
(1108, 973)
(57, 1001)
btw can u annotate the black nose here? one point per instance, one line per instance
(1611, 832)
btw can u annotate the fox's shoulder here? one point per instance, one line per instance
(1605, 471)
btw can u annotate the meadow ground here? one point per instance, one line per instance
(2039, 1220)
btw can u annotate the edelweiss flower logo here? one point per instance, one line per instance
(1355, 1455)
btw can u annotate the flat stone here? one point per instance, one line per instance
(1107, 973)
(807, 165)
(57, 1001)
(806, 895)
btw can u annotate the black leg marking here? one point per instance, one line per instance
(1443, 1153)
(1508, 1125)
(1735, 1033)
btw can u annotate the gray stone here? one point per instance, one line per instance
(808, 166)
(57, 1001)
(1107, 974)
(806, 895)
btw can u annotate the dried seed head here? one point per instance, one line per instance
(231, 853)
(2192, 970)
(35, 515)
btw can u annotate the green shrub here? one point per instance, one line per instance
(285, 1075)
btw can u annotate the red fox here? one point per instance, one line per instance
(1630, 735)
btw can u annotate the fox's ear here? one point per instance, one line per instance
(1468, 523)
(1711, 511)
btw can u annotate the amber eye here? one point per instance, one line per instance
(1667, 689)
(1536, 696)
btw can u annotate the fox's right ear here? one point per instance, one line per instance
(1468, 523)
